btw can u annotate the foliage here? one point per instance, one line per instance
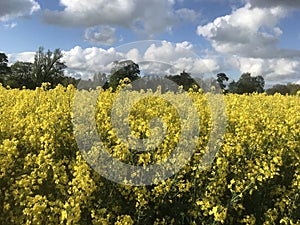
(290, 89)
(124, 69)
(4, 68)
(3, 63)
(22, 75)
(44, 179)
(221, 78)
(247, 84)
(47, 67)
(185, 80)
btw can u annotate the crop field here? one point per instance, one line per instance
(50, 158)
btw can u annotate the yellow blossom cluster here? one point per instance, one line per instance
(45, 178)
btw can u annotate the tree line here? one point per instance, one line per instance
(49, 67)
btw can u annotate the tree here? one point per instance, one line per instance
(247, 84)
(260, 84)
(278, 88)
(293, 88)
(233, 87)
(221, 78)
(21, 75)
(4, 68)
(290, 89)
(70, 80)
(122, 70)
(48, 67)
(185, 80)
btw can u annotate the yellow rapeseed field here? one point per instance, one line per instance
(45, 178)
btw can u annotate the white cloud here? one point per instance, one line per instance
(248, 39)
(254, 66)
(134, 55)
(274, 70)
(182, 57)
(17, 8)
(103, 35)
(151, 16)
(248, 32)
(143, 16)
(160, 56)
(285, 66)
(23, 56)
(168, 52)
(187, 14)
(91, 60)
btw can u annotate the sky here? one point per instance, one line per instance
(261, 37)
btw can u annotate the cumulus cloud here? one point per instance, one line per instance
(167, 51)
(23, 56)
(151, 16)
(134, 55)
(148, 17)
(103, 35)
(248, 39)
(16, 8)
(248, 32)
(182, 57)
(91, 60)
(276, 70)
(165, 57)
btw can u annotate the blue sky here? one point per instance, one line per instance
(233, 36)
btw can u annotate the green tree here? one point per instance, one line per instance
(290, 89)
(4, 68)
(233, 87)
(184, 79)
(293, 88)
(21, 75)
(247, 84)
(70, 80)
(122, 70)
(4, 63)
(278, 88)
(48, 67)
(221, 78)
(259, 83)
